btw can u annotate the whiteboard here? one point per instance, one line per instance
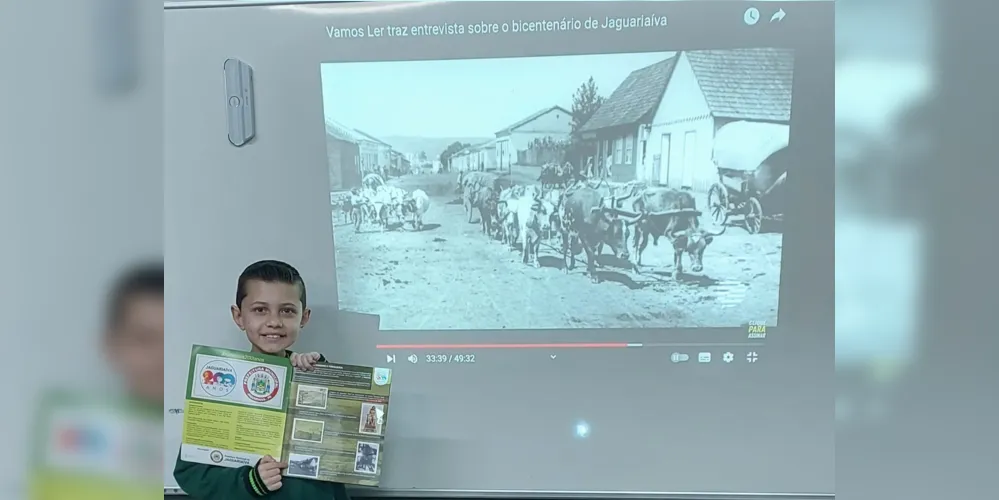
(214, 227)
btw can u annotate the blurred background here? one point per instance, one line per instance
(81, 195)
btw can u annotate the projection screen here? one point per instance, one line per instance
(647, 308)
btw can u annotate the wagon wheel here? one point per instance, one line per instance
(718, 204)
(754, 215)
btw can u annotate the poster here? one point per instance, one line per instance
(336, 423)
(89, 447)
(235, 408)
(327, 424)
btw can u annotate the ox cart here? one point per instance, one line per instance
(743, 192)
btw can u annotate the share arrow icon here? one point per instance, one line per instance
(778, 16)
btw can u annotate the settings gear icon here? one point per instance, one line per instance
(728, 357)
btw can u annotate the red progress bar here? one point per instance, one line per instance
(502, 346)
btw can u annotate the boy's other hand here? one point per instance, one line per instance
(305, 361)
(269, 471)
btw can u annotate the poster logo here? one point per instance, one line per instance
(216, 456)
(218, 378)
(261, 384)
(383, 376)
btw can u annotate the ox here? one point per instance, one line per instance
(587, 222)
(416, 205)
(387, 200)
(671, 213)
(532, 219)
(507, 207)
(488, 203)
(469, 185)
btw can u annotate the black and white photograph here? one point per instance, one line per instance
(639, 190)
(310, 396)
(303, 465)
(372, 416)
(307, 430)
(366, 458)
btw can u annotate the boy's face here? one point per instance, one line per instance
(135, 346)
(271, 315)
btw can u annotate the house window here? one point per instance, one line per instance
(618, 149)
(629, 150)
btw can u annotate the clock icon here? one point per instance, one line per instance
(752, 16)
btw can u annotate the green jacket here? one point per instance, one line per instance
(211, 482)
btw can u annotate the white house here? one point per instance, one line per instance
(674, 122)
(343, 156)
(513, 142)
(483, 156)
(461, 161)
(376, 154)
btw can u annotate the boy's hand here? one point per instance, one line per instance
(305, 361)
(269, 471)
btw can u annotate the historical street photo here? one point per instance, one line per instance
(640, 190)
(303, 465)
(309, 396)
(307, 430)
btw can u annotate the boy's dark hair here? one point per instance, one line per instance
(145, 279)
(269, 271)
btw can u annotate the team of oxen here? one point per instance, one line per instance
(588, 217)
(380, 203)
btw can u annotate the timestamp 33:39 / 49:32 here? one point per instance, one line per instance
(441, 358)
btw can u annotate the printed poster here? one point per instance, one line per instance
(336, 423)
(235, 408)
(88, 447)
(328, 424)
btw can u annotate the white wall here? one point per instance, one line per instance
(226, 207)
(556, 124)
(683, 109)
(505, 155)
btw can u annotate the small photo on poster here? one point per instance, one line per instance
(372, 417)
(311, 397)
(366, 458)
(303, 466)
(307, 430)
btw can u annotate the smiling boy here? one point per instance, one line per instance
(271, 309)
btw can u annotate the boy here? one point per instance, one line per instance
(271, 308)
(133, 338)
(132, 343)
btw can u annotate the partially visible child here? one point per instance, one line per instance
(271, 309)
(133, 333)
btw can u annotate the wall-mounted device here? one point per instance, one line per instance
(239, 101)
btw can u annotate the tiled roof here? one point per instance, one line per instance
(746, 84)
(637, 96)
(531, 118)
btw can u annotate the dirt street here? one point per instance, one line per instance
(451, 276)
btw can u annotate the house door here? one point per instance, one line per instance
(664, 164)
(689, 158)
